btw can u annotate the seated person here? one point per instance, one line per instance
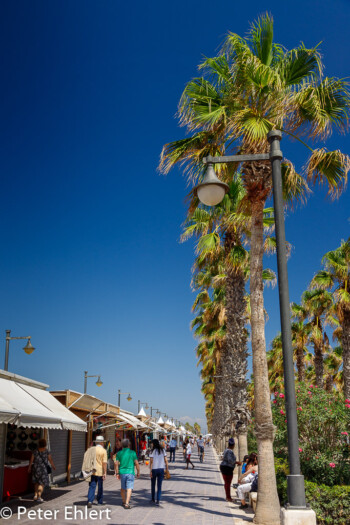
(246, 480)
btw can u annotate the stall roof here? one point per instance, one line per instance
(27, 403)
(85, 402)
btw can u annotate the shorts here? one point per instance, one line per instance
(201, 449)
(188, 457)
(127, 481)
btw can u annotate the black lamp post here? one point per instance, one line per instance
(211, 191)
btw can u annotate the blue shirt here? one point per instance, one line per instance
(173, 443)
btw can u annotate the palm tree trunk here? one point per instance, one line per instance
(268, 506)
(319, 366)
(231, 384)
(218, 415)
(242, 446)
(346, 353)
(300, 365)
(236, 350)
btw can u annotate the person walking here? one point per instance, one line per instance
(125, 463)
(200, 445)
(143, 448)
(40, 469)
(158, 464)
(188, 455)
(173, 444)
(184, 446)
(99, 472)
(227, 466)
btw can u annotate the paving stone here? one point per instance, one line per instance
(195, 496)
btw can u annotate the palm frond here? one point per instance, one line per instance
(261, 37)
(300, 64)
(331, 167)
(294, 186)
(323, 107)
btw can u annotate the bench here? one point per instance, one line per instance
(253, 498)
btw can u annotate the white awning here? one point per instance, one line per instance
(136, 423)
(28, 406)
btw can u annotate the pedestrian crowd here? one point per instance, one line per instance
(126, 462)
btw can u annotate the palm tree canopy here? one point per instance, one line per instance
(255, 85)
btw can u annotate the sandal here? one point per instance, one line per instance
(126, 506)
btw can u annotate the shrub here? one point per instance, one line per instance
(323, 424)
(331, 504)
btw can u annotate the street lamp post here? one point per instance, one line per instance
(156, 411)
(139, 403)
(98, 382)
(211, 191)
(28, 348)
(129, 398)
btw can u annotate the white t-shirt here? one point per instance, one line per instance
(200, 443)
(188, 449)
(158, 459)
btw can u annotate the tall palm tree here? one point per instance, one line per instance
(254, 86)
(220, 237)
(336, 277)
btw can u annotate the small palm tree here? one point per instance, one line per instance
(336, 277)
(300, 339)
(317, 305)
(275, 364)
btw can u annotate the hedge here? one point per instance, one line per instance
(331, 504)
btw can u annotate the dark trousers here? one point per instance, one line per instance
(95, 481)
(157, 474)
(172, 453)
(227, 474)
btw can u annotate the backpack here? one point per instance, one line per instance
(254, 487)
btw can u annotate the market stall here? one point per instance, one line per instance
(27, 411)
(97, 414)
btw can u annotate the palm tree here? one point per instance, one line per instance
(275, 364)
(333, 367)
(220, 238)
(336, 277)
(254, 86)
(317, 305)
(300, 339)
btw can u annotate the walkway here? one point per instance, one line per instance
(194, 496)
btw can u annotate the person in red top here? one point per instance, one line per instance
(143, 447)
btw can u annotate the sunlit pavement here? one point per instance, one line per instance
(193, 496)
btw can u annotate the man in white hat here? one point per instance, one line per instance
(100, 474)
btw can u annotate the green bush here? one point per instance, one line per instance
(323, 424)
(331, 504)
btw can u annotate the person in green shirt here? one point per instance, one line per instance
(124, 465)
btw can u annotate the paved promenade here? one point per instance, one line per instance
(194, 496)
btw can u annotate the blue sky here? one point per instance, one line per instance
(91, 265)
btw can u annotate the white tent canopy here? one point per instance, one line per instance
(26, 403)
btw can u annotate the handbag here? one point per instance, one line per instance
(48, 468)
(167, 474)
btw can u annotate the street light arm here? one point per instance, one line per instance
(12, 338)
(236, 158)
